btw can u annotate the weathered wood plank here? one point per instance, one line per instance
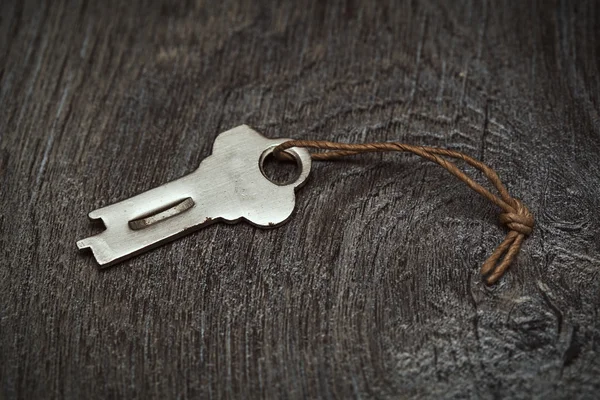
(372, 289)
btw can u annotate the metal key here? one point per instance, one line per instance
(229, 186)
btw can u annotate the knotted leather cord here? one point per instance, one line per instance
(516, 216)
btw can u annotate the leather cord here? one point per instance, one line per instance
(515, 216)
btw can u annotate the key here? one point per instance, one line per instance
(228, 186)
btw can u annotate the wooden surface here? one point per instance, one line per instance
(372, 289)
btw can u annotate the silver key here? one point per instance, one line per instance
(229, 186)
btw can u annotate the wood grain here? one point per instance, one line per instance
(372, 289)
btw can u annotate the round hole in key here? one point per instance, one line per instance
(280, 172)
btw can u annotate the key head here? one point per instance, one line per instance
(235, 186)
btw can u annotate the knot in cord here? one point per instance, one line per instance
(521, 220)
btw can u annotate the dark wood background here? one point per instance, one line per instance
(372, 289)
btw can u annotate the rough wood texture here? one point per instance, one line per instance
(372, 289)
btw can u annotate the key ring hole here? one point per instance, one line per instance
(280, 172)
(301, 169)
